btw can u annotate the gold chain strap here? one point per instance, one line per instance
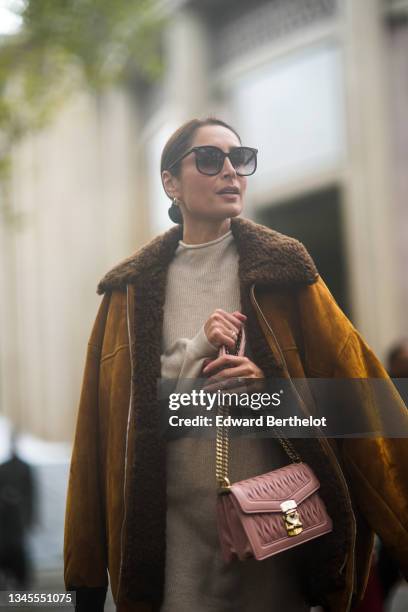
(288, 448)
(222, 451)
(222, 443)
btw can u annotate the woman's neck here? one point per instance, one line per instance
(200, 232)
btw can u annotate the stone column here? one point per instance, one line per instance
(367, 186)
(186, 84)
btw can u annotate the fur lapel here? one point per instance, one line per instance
(266, 257)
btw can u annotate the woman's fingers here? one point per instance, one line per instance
(225, 361)
(230, 319)
(223, 327)
(228, 366)
(236, 318)
(238, 385)
(230, 385)
(231, 373)
(221, 335)
(218, 367)
(229, 378)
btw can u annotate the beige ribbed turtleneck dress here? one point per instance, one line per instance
(201, 278)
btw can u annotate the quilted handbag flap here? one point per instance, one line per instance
(266, 492)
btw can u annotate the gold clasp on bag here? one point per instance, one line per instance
(291, 517)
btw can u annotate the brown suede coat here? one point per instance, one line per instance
(116, 505)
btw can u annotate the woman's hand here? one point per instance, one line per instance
(230, 371)
(222, 327)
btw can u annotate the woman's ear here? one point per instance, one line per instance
(170, 184)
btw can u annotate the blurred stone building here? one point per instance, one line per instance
(320, 87)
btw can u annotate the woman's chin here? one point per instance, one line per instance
(219, 213)
(237, 211)
(230, 210)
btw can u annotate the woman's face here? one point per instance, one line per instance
(199, 193)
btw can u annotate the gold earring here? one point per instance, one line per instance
(175, 201)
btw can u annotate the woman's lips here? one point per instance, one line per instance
(229, 196)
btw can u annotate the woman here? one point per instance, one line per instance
(143, 508)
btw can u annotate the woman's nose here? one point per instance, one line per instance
(228, 168)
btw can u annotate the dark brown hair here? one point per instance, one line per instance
(178, 143)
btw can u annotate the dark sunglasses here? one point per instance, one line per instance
(210, 160)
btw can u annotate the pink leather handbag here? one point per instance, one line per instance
(267, 514)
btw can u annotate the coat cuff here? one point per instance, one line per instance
(89, 598)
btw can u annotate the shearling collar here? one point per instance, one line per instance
(265, 257)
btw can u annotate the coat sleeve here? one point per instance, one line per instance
(376, 467)
(85, 554)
